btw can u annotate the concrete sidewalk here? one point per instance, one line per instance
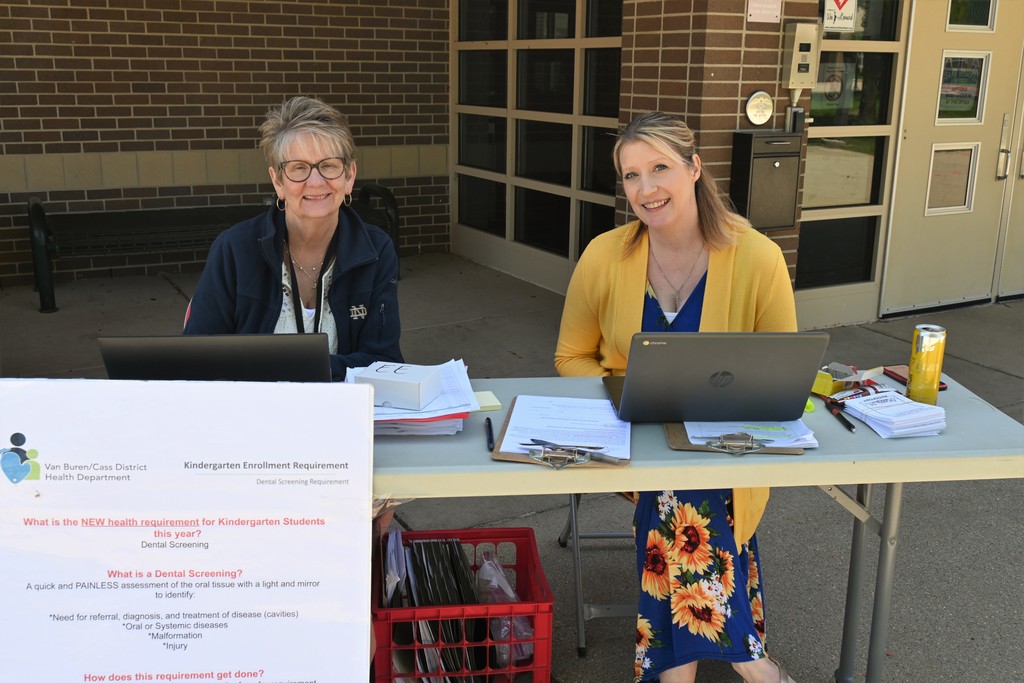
(957, 612)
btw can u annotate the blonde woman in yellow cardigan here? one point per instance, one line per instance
(688, 264)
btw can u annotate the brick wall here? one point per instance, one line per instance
(103, 81)
(702, 59)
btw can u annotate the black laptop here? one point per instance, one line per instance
(717, 376)
(228, 357)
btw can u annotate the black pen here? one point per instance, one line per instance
(490, 434)
(838, 412)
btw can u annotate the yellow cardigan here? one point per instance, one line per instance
(748, 290)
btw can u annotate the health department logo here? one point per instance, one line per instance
(17, 463)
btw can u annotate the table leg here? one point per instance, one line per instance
(577, 573)
(854, 589)
(563, 538)
(883, 582)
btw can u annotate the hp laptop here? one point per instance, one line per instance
(229, 357)
(715, 376)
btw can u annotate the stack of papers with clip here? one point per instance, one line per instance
(584, 425)
(791, 434)
(442, 416)
(892, 414)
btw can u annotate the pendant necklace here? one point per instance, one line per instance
(677, 290)
(308, 272)
(311, 274)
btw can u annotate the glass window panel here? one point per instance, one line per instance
(875, 20)
(483, 19)
(482, 204)
(545, 80)
(542, 19)
(542, 220)
(483, 77)
(598, 172)
(604, 18)
(853, 89)
(843, 171)
(601, 82)
(594, 219)
(544, 151)
(960, 93)
(971, 13)
(950, 179)
(482, 141)
(836, 252)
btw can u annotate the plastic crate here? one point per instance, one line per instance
(516, 548)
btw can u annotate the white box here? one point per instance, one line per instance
(401, 385)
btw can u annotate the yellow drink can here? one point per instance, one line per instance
(926, 353)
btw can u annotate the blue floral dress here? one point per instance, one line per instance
(700, 595)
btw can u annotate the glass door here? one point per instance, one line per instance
(847, 173)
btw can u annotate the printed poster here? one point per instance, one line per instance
(173, 531)
(840, 16)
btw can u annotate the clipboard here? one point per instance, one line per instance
(523, 457)
(675, 434)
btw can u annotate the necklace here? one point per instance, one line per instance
(677, 290)
(308, 272)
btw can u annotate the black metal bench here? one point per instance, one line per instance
(120, 233)
(376, 204)
(158, 230)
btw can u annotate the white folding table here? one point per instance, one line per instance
(980, 442)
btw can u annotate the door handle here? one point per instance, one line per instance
(1002, 164)
(1003, 155)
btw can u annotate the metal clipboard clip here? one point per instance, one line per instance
(559, 456)
(736, 444)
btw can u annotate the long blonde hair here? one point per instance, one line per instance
(671, 136)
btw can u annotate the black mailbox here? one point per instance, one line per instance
(765, 176)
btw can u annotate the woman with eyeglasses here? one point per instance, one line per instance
(309, 264)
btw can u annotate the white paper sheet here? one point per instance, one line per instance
(566, 421)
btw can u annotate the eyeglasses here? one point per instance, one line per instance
(299, 171)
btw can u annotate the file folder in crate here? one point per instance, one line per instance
(474, 655)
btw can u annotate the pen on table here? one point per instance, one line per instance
(489, 430)
(838, 412)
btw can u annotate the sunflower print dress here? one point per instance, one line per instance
(700, 596)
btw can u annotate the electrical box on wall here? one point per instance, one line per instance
(800, 56)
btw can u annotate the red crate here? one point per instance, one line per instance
(516, 548)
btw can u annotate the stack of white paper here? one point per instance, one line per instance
(442, 416)
(892, 414)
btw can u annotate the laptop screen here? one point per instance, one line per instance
(717, 376)
(229, 357)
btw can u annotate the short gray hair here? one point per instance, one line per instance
(305, 116)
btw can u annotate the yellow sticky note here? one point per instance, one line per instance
(487, 400)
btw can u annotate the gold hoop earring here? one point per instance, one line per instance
(280, 204)
(348, 200)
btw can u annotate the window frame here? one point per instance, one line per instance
(577, 121)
